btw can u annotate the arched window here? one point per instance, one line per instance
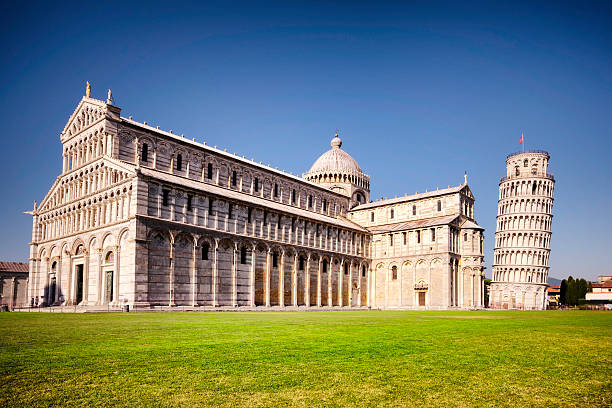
(526, 163)
(309, 201)
(414, 210)
(301, 263)
(256, 185)
(275, 190)
(358, 197)
(439, 205)
(533, 188)
(324, 266)
(205, 248)
(391, 213)
(110, 257)
(209, 171)
(346, 267)
(274, 259)
(372, 216)
(394, 273)
(145, 152)
(234, 178)
(179, 162)
(293, 196)
(363, 271)
(517, 171)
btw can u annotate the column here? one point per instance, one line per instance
(214, 271)
(194, 275)
(268, 266)
(294, 280)
(171, 297)
(369, 279)
(307, 285)
(319, 302)
(350, 284)
(472, 297)
(234, 273)
(340, 279)
(330, 275)
(100, 274)
(85, 280)
(360, 267)
(281, 280)
(58, 279)
(252, 272)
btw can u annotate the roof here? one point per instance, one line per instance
(22, 267)
(471, 225)
(335, 159)
(224, 153)
(407, 198)
(554, 289)
(256, 201)
(401, 226)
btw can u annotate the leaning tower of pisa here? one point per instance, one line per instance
(522, 237)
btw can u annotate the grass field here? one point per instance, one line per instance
(365, 358)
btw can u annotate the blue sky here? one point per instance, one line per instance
(421, 92)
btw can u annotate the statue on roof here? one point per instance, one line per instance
(109, 98)
(88, 90)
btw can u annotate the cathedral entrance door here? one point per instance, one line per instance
(422, 298)
(79, 284)
(109, 286)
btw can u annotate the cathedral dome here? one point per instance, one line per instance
(335, 159)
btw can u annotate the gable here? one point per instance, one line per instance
(55, 197)
(87, 113)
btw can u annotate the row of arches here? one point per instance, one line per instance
(517, 297)
(511, 257)
(88, 181)
(517, 188)
(83, 271)
(525, 275)
(357, 179)
(94, 212)
(520, 239)
(224, 214)
(86, 148)
(524, 222)
(525, 205)
(229, 174)
(87, 116)
(187, 269)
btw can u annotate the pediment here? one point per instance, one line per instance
(87, 113)
(52, 199)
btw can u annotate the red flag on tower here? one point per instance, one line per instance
(521, 139)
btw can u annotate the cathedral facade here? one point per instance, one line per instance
(146, 218)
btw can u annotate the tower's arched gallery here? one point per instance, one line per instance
(144, 217)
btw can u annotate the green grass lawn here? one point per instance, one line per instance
(365, 358)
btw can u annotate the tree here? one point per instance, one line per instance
(487, 284)
(563, 293)
(571, 291)
(582, 289)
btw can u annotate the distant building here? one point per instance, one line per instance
(13, 284)
(602, 290)
(554, 292)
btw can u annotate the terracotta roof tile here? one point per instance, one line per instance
(14, 267)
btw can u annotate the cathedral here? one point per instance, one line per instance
(145, 218)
